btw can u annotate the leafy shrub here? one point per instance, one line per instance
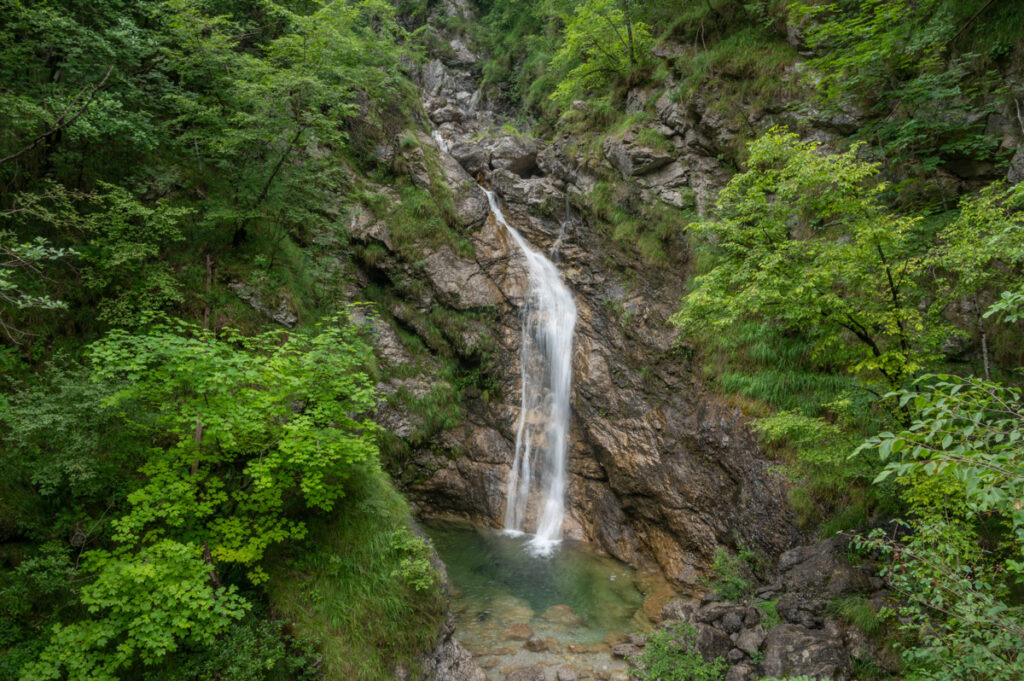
(670, 655)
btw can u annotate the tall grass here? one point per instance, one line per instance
(361, 586)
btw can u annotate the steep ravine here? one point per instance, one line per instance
(661, 472)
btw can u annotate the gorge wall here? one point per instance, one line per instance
(662, 472)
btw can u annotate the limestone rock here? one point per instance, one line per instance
(822, 569)
(449, 661)
(631, 158)
(461, 280)
(534, 673)
(791, 650)
(513, 153)
(472, 157)
(750, 640)
(519, 631)
(535, 644)
(740, 672)
(1016, 172)
(799, 609)
(711, 642)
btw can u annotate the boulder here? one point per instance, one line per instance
(1016, 172)
(711, 642)
(625, 650)
(791, 650)
(750, 640)
(822, 569)
(740, 672)
(515, 154)
(632, 159)
(447, 114)
(535, 644)
(798, 609)
(469, 200)
(533, 673)
(679, 609)
(472, 157)
(520, 631)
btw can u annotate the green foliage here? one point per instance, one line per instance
(731, 575)
(958, 558)
(804, 244)
(283, 412)
(238, 432)
(142, 607)
(858, 611)
(361, 583)
(603, 44)
(771, 617)
(894, 59)
(670, 655)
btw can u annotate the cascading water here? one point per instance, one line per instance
(549, 320)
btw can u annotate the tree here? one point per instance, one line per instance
(956, 558)
(243, 433)
(801, 241)
(602, 44)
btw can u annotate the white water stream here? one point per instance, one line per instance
(542, 434)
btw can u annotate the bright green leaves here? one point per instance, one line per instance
(279, 410)
(245, 435)
(960, 470)
(142, 606)
(970, 430)
(802, 242)
(602, 44)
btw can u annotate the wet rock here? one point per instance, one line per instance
(577, 648)
(679, 609)
(625, 650)
(535, 644)
(711, 642)
(740, 672)
(534, 673)
(520, 631)
(563, 615)
(791, 650)
(798, 609)
(566, 674)
(750, 640)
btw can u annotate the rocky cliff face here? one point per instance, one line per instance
(661, 471)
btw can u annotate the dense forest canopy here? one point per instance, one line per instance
(177, 179)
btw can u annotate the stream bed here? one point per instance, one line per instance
(515, 609)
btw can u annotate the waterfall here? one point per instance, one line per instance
(549, 318)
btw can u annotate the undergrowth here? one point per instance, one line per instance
(362, 585)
